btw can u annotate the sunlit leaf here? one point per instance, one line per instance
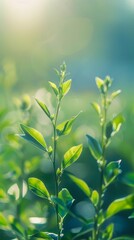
(108, 232)
(97, 108)
(99, 82)
(120, 205)
(33, 136)
(43, 107)
(38, 188)
(54, 87)
(66, 87)
(71, 156)
(94, 147)
(95, 197)
(64, 128)
(81, 184)
(115, 94)
(3, 222)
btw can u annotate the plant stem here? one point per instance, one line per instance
(54, 166)
(96, 233)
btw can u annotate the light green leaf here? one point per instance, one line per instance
(43, 107)
(120, 205)
(65, 127)
(108, 232)
(38, 188)
(54, 87)
(64, 202)
(33, 136)
(94, 147)
(115, 94)
(111, 171)
(95, 197)
(66, 87)
(3, 222)
(129, 179)
(71, 156)
(81, 184)
(99, 82)
(97, 108)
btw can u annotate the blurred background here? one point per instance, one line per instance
(94, 38)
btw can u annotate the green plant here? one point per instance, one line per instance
(61, 199)
(98, 226)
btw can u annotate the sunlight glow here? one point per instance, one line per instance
(24, 11)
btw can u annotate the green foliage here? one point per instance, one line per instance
(54, 202)
(38, 188)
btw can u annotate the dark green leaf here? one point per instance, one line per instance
(120, 205)
(43, 107)
(38, 188)
(94, 147)
(41, 235)
(54, 87)
(65, 127)
(129, 179)
(123, 238)
(33, 136)
(64, 201)
(71, 156)
(111, 171)
(81, 184)
(114, 126)
(131, 216)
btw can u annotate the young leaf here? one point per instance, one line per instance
(97, 108)
(120, 205)
(81, 184)
(54, 87)
(64, 201)
(94, 147)
(99, 83)
(115, 94)
(33, 136)
(65, 87)
(3, 222)
(111, 171)
(95, 197)
(65, 127)
(129, 179)
(108, 232)
(38, 188)
(114, 126)
(71, 156)
(43, 107)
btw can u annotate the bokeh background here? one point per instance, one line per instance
(94, 38)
